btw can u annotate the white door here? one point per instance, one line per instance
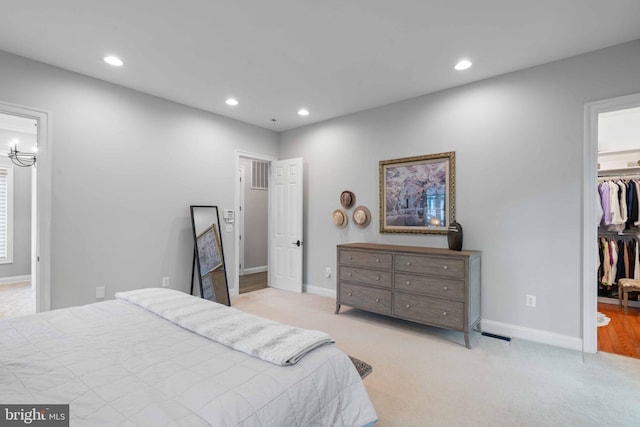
(285, 251)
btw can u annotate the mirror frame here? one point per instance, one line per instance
(196, 260)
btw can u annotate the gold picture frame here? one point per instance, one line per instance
(417, 194)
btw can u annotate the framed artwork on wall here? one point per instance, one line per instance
(417, 194)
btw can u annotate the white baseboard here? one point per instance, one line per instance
(499, 328)
(15, 279)
(316, 290)
(254, 270)
(529, 334)
(614, 301)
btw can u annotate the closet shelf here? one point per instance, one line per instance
(631, 170)
(635, 232)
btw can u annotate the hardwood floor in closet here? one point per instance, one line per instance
(622, 334)
(253, 282)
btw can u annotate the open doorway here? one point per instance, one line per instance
(253, 224)
(284, 223)
(17, 218)
(618, 316)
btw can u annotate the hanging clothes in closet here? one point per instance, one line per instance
(619, 259)
(618, 202)
(618, 245)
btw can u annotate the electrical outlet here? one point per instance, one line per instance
(531, 300)
(100, 292)
(165, 282)
(327, 272)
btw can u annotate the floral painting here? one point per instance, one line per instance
(417, 194)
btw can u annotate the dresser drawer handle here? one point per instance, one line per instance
(408, 262)
(444, 313)
(377, 299)
(408, 283)
(446, 267)
(349, 294)
(377, 259)
(349, 274)
(378, 278)
(350, 257)
(408, 306)
(445, 288)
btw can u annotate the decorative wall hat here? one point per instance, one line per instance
(347, 199)
(340, 219)
(361, 216)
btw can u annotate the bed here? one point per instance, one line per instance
(148, 358)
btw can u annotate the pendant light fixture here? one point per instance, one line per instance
(20, 158)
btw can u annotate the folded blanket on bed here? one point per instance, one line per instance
(271, 341)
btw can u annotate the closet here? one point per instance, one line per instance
(618, 232)
(618, 216)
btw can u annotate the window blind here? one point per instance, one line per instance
(259, 175)
(4, 217)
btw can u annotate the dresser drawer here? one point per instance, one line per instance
(449, 314)
(371, 299)
(383, 261)
(436, 286)
(369, 277)
(442, 267)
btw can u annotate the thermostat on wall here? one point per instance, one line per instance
(229, 216)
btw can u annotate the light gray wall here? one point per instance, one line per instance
(126, 167)
(256, 205)
(518, 140)
(21, 265)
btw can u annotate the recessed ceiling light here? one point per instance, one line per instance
(231, 101)
(113, 60)
(463, 65)
(303, 112)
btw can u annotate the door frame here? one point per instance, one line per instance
(42, 255)
(589, 229)
(235, 290)
(240, 223)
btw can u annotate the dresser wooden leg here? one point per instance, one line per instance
(466, 340)
(337, 308)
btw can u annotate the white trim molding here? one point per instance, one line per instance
(41, 256)
(614, 301)
(535, 335)
(317, 290)
(15, 279)
(235, 284)
(589, 227)
(254, 270)
(233, 292)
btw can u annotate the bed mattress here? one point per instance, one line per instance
(118, 364)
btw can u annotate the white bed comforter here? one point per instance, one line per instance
(118, 364)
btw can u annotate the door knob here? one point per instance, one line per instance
(298, 243)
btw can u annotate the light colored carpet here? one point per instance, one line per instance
(424, 376)
(17, 299)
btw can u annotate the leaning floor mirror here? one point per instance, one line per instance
(208, 254)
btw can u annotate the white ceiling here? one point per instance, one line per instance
(333, 57)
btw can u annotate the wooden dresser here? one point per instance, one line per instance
(431, 286)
